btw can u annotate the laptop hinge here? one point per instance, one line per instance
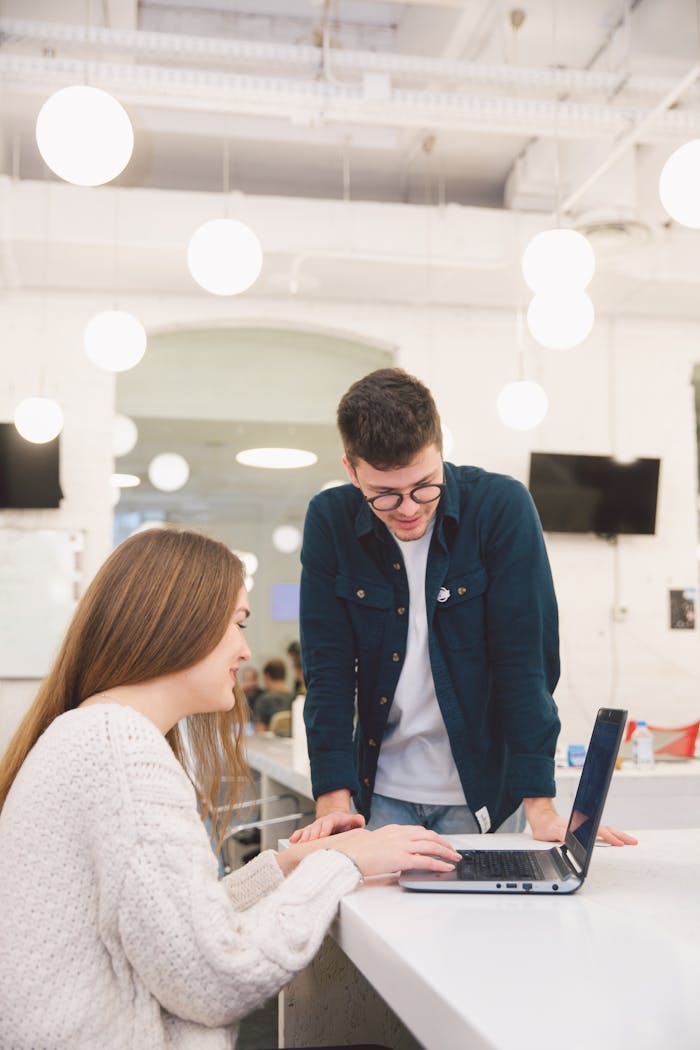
(570, 862)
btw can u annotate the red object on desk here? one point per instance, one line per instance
(678, 742)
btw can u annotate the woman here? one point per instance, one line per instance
(116, 931)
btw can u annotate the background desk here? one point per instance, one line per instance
(615, 966)
(668, 796)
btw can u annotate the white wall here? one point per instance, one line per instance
(41, 352)
(627, 389)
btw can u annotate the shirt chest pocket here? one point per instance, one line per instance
(368, 603)
(460, 610)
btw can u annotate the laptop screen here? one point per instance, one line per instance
(593, 786)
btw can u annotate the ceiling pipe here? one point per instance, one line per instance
(635, 134)
(181, 47)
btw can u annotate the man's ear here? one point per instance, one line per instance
(351, 472)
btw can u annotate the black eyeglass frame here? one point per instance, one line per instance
(401, 496)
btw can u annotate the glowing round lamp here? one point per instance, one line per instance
(523, 405)
(249, 583)
(250, 561)
(678, 185)
(276, 458)
(558, 260)
(286, 539)
(125, 481)
(114, 340)
(560, 321)
(124, 435)
(224, 256)
(168, 471)
(84, 135)
(38, 419)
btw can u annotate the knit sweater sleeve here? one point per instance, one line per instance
(254, 880)
(202, 959)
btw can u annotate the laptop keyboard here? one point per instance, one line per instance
(486, 865)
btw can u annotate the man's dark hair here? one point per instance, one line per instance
(276, 670)
(386, 418)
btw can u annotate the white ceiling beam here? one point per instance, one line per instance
(182, 48)
(304, 100)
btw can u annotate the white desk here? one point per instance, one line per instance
(615, 966)
(668, 796)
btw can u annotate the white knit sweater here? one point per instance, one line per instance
(114, 929)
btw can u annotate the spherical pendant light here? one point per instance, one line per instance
(286, 539)
(124, 435)
(38, 419)
(561, 320)
(250, 561)
(679, 185)
(168, 471)
(224, 256)
(115, 340)
(523, 405)
(276, 458)
(84, 135)
(558, 259)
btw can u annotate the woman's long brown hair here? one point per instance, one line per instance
(160, 603)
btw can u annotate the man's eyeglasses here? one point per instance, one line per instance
(393, 500)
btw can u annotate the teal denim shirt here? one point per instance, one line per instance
(493, 641)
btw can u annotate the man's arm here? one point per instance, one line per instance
(546, 824)
(328, 657)
(522, 639)
(332, 815)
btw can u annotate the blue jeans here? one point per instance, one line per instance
(446, 820)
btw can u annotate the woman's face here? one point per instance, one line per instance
(209, 683)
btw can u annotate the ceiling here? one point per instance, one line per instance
(520, 109)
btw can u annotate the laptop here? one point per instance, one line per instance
(561, 869)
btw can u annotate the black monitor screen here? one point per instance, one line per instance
(29, 475)
(599, 494)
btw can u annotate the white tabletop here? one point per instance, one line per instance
(615, 965)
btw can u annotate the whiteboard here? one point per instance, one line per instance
(40, 576)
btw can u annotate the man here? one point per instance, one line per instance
(275, 696)
(426, 594)
(250, 684)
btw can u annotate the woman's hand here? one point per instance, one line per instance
(396, 847)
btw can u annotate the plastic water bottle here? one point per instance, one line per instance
(643, 746)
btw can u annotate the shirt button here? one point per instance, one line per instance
(397, 565)
(360, 593)
(401, 610)
(383, 700)
(372, 743)
(395, 657)
(461, 590)
(366, 782)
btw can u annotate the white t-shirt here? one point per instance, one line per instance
(415, 759)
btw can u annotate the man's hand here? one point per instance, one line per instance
(332, 816)
(546, 825)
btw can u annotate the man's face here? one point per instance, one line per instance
(409, 520)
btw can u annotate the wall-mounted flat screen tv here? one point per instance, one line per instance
(594, 493)
(29, 475)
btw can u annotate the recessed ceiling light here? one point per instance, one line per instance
(276, 458)
(125, 481)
